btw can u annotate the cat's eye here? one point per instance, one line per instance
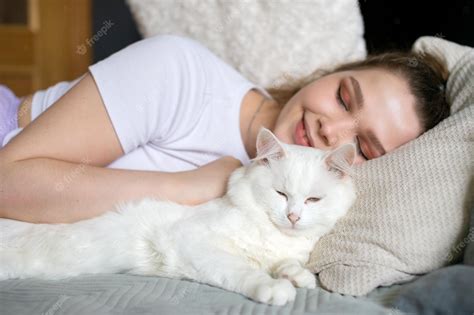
(283, 194)
(313, 199)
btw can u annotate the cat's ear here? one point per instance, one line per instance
(340, 160)
(268, 147)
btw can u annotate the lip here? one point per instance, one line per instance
(308, 133)
(299, 134)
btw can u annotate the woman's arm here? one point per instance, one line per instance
(45, 190)
(54, 170)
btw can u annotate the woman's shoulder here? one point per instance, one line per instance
(178, 42)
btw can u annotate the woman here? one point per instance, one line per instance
(165, 117)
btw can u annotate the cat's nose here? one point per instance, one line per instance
(293, 217)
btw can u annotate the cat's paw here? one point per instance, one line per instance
(299, 276)
(274, 291)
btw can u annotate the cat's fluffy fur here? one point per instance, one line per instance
(243, 242)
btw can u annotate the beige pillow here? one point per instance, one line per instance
(413, 203)
(264, 40)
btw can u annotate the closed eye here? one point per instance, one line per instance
(343, 104)
(282, 194)
(359, 149)
(339, 98)
(313, 199)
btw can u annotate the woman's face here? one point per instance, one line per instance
(375, 106)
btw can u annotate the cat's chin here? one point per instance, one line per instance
(292, 231)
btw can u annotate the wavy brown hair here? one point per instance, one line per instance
(425, 73)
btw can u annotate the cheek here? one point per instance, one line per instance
(278, 204)
(286, 124)
(359, 160)
(310, 213)
(321, 104)
(321, 97)
(290, 111)
(264, 195)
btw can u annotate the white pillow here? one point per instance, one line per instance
(413, 203)
(264, 40)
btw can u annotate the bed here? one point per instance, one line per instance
(129, 294)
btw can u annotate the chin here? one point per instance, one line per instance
(292, 231)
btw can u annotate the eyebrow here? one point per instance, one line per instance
(360, 103)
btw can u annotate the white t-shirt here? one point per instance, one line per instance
(173, 103)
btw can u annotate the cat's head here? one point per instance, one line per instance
(302, 190)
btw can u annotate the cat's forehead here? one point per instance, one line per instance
(302, 150)
(301, 169)
(304, 155)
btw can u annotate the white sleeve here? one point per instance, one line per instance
(150, 86)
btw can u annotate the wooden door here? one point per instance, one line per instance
(41, 42)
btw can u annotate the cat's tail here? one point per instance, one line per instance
(56, 251)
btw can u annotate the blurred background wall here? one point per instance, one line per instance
(46, 41)
(388, 24)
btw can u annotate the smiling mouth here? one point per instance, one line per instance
(300, 137)
(308, 138)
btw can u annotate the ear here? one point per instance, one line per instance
(268, 147)
(340, 160)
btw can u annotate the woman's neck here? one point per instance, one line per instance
(266, 116)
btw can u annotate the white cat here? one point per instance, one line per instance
(255, 240)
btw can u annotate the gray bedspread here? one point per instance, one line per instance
(129, 294)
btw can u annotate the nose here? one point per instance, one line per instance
(337, 131)
(293, 218)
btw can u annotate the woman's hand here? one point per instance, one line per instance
(210, 180)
